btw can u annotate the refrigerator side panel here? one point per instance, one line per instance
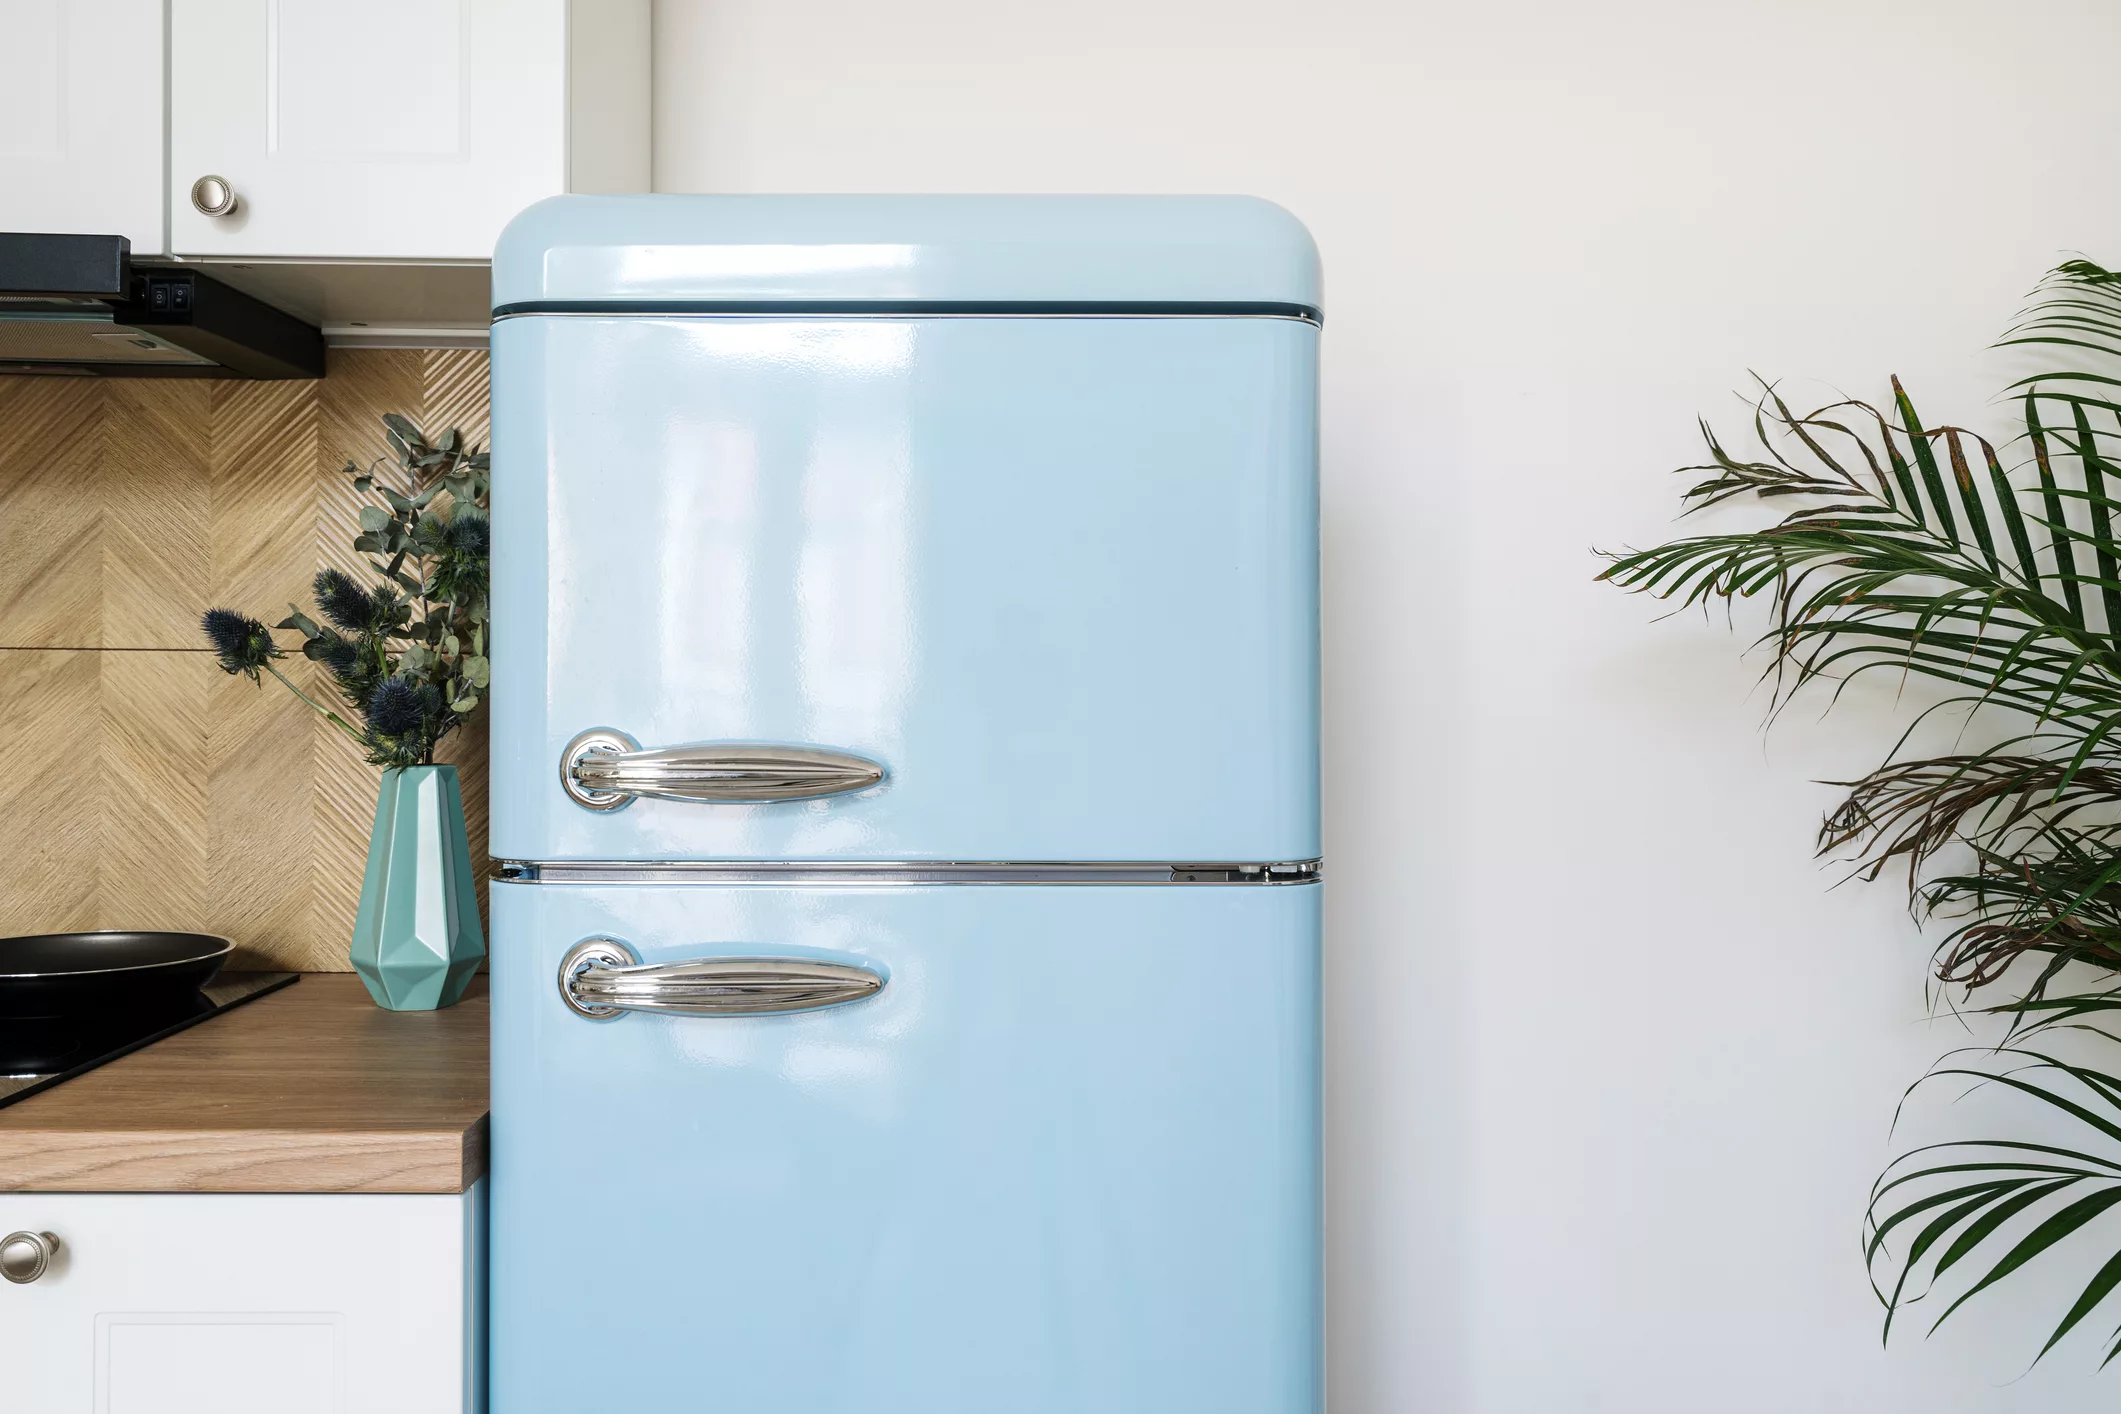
(1057, 578)
(1065, 1160)
(518, 779)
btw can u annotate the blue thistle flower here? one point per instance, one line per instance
(396, 708)
(339, 654)
(469, 534)
(345, 603)
(241, 644)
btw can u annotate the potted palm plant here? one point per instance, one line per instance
(1995, 572)
(406, 655)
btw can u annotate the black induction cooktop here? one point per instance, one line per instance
(36, 1055)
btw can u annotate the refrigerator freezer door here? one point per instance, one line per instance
(1054, 580)
(1065, 1158)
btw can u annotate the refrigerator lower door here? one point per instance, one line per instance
(1063, 1158)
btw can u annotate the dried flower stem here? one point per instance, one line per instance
(330, 716)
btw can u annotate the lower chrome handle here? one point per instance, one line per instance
(25, 1256)
(601, 977)
(602, 769)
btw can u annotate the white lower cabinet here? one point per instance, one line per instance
(210, 1303)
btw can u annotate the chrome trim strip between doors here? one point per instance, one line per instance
(910, 309)
(899, 872)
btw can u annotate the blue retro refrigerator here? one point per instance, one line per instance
(904, 775)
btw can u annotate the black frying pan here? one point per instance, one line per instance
(105, 974)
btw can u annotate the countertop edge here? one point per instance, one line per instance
(243, 1161)
(312, 1089)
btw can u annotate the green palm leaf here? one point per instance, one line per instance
(1926, 551)
(2016, 1208)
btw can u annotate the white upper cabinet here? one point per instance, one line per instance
(81, 118)
(394, 129)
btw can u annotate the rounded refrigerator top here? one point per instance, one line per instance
(1014, 251)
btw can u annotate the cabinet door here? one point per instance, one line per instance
(81, 118)
(391, 129)
(246, 1304)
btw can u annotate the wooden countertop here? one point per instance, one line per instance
(311, 1089)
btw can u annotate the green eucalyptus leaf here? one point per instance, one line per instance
(478, 671)
(464, 704)
(374, 519)
(300, 622)
(368, 544)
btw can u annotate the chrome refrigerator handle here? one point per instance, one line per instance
(601, 977)
(604, 769)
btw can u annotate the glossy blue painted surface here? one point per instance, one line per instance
(1066, 1161)
(979, 248)
(1059, 576)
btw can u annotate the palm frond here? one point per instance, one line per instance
(1994, 572)
(1916, 551)
(1997, 1205)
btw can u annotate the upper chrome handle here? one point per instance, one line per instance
(25, 1256)
(601, 977)
(604, 769)
(214, 196)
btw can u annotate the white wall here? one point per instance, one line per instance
(1610, 1069)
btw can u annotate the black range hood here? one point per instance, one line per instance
(81, 305)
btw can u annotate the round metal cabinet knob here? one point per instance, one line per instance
(25, 1256)
(213, 196)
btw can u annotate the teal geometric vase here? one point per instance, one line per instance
(417, 939)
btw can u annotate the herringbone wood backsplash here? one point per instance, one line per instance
(143, 787)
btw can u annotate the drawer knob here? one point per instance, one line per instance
(25, 1256)
(213, 196)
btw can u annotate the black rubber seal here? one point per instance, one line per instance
(1199, 309)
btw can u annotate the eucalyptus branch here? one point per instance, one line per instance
(395, 647)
